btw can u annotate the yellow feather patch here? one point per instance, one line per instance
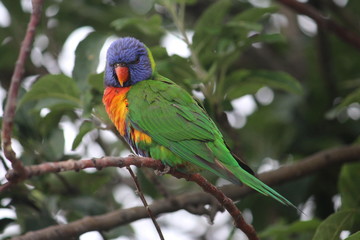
(152, 62)
(138, 136)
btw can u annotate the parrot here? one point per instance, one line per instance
(161, 120)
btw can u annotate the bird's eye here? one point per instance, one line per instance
(115, 65)
(137, 60)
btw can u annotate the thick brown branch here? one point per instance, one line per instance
(108, 221)
(323, 22)
(77, 165)
(113, 219)
(16, 78)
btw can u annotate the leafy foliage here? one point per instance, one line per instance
(354, 236)
(297, 230)
(335, 223)
(54, 91)
(237, 50)
(243, 82)
(87, 60)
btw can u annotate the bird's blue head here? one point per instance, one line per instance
(128, 61)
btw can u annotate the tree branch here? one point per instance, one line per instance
(139, 162)
(108, 221)
(16, 78)
(77, 165)
(323, 22)
(228, 204)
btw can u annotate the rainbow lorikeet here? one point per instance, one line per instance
(161, 120)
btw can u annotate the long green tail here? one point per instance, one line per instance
(261, 187)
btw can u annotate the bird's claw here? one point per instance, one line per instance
(164, 171)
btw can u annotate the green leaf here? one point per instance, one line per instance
(86, 205)
(355, 236)
(93, 96)
(177, 1)
(351, 98)
(249, 19)
(96, 81)
(331, 227)
(85, 127)
(29, 209)
(54, 146)
(149, 26)
(266, 38)
(349, 183)
(87, 57)
(121, 231)
(82, 179)
(210, 22)
(50, 121)
(213, 16)
(254, 14)
(178, 70)
(305, 229)
(245, 25)
(244, 82)
(159, 52)
(58, 88)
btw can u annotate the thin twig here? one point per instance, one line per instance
(142, 197)
(16, 78)
(323, 22)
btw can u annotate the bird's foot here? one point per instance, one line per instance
(164, 171)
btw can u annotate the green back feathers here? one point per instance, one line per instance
(174, 120)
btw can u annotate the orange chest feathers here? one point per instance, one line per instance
(116, 103)
(116, 106)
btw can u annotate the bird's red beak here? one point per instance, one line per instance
(122, 73)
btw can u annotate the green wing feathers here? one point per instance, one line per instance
(174, 120)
